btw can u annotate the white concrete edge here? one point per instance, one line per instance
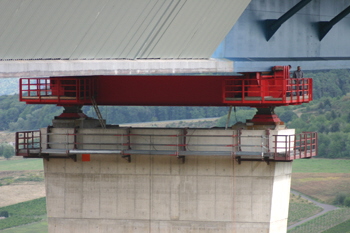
(45, 68)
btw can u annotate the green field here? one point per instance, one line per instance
(23, 213)
(39, 227)
(325, 222)
(343, 228)
(321, 166)
(300, 210)
(326, 172)
(21, 164)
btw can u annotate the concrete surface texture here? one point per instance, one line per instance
(159, 193)
(45, 68)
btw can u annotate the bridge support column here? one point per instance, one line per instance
(158, 193)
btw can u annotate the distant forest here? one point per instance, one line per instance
(328, 114)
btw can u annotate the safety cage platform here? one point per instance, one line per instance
(275, 145)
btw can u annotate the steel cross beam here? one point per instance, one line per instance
(326, 26)
(272, 25)
(254, 89)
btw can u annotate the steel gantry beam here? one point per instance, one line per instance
(326, 26)
(272, 25)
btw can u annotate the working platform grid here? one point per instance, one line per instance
(264, 145)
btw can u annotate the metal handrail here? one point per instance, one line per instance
(57, 90)
(267, 90)
(285, 147)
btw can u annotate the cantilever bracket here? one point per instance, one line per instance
(267, 160)
(182, 157)
(326, 26)
(127, 157)
(272, 25)
(239, 160)
(48, 157)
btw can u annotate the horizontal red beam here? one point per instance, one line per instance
(160, 90)
(253, 89)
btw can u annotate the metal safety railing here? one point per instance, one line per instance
(28, 142)
(276, 147)
(267, 90)
(57, 90)
(290, 147)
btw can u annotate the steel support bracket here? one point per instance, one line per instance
(272, 25)
(127, 158)
(182, 157)
(48, 157)
(326, 26)
(267, 160)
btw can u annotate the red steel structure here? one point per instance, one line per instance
(263, 90)
(254, 89)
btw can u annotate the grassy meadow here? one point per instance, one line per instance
(321, 166)
(322, 179)
(23, 213)
(300, 209)
(19, 164)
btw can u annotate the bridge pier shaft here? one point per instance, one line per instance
(157, 194)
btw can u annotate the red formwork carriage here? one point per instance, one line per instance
(263, 90)
(254, 89)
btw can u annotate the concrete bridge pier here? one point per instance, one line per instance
(160, 194)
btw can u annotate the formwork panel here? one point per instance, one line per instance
(103, 139)
(61, 138)
(206, 139)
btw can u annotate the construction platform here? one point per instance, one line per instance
(242, 144)
(155, 180)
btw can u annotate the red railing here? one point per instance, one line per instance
(290, 147)
(28, 143)
(57, 90)
(267, 90)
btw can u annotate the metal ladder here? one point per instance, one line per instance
(98, 113)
